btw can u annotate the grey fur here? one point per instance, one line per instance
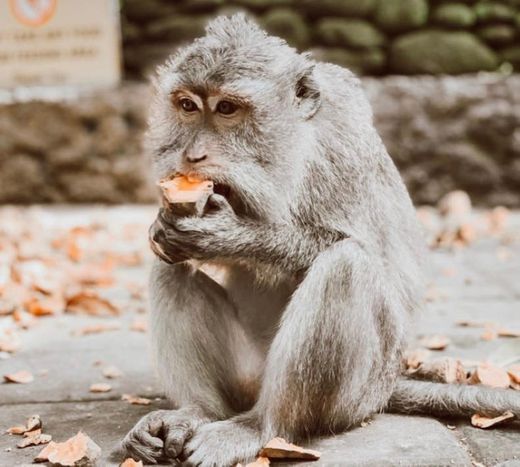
(320, 244)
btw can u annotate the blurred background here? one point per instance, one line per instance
(77, 198)
(440, 75)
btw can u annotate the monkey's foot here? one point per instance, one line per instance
(161, 435)
(222, 444)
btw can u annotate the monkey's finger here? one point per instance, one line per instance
(218, 202)
(143, 446)
(175, 441)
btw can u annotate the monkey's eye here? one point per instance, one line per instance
(188, 105)
(226, 108)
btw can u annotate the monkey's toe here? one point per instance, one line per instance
(141, 445)
(222, 443)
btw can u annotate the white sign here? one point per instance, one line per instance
(59, 43)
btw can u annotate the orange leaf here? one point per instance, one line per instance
(90, 303)
(436, 342)
(100, 387)
(131, 463)
(490, 375)
(21, 377)
(135, 400)
(278, 448)
(76, 451)
(481, 421)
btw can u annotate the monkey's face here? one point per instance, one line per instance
(234, 113)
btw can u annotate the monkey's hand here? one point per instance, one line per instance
(214, 234)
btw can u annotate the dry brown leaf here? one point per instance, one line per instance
(112, 372)
(44, 305)
(97, 328)
(506, 332)
(435, 342)
(34, 438)
(131, 463)
(489, 334)
(79, 450)
(135, 400)
(278, 448)
(21, 377)
(139, 325)
(90, 303)
(414, 357)
(481, 421)
(467, 323)
(100, 387)
(490, 375)
(445, 370)
(34, 422)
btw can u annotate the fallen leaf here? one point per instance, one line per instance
(135, 400)
(33, 423)
(100, 387)
(90, 303)
(481, 421)
(139, 325)
(490, 375)
(414, 357)
(34, 438)
(514, 376)
(435, 342)
(278, 448)
(43, 305)
(466, 323)
(97, 328)
(131, 463)
(445, 370)
(112, 372)
(489, 334)
(505, 332)
(21, 377)
(79, 450)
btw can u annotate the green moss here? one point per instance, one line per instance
(347, 8)
(490, 11)
(438, 52)
(286, 23)
(348, 33)
(371, 61)
(454, 15)
(401, 15)
(497, 34)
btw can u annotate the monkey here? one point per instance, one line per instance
(321, 254)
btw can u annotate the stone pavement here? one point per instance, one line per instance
(480, 282)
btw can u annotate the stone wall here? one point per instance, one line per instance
(444, 133)
(372, 37)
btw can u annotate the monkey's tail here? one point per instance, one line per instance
(422, 397)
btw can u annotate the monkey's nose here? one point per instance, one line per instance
(194, 158)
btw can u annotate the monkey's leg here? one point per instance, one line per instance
(195, 337)
(333, 362)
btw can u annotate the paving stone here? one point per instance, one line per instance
(491, 447)
(106, 422)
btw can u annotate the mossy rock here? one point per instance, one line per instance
(371, 61)
(346, 8)
(197, 6)
(455, 15)
(348, 33)
(286, 23)
(177, 28)
(511, 55)
(438, 52)
(401, 15)
(261, 5)
(497, 34)
(491, 11)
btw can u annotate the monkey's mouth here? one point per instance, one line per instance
(223, 190)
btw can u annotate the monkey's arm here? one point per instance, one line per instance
(221, 234)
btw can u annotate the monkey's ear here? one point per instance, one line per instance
(308, 98)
